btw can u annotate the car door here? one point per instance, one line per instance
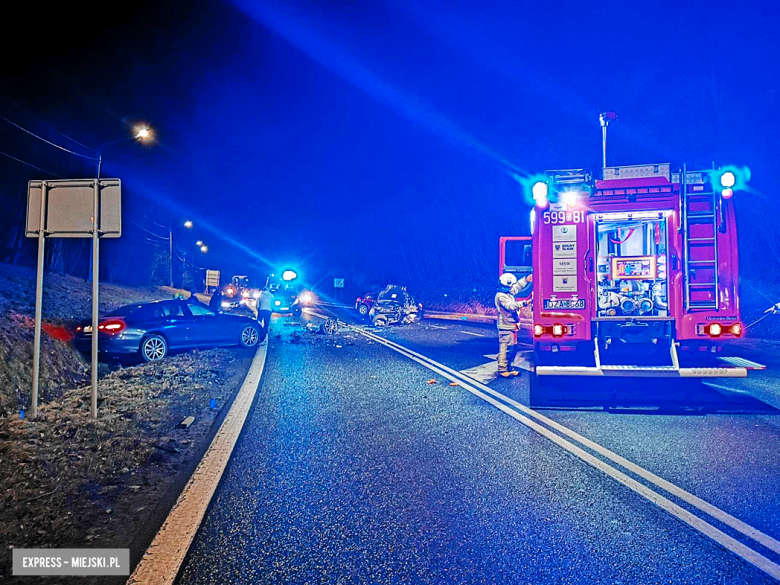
(176, 323)
(204, 326)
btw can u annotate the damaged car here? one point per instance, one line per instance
(394, 305)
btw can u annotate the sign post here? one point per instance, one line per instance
(38, 302)
(212, 279)
(72, 208)
(338, 285)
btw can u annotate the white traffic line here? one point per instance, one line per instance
(437, 327)
(524, 417)
(162, 560)
(470, 333)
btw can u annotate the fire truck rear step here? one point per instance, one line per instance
(642, 371)
(738, 368)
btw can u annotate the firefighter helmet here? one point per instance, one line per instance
(508, 279)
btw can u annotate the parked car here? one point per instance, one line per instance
(152, 330)
(364, 303)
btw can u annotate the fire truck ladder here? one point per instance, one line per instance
(700, 226)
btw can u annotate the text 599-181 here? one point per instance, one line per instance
(558, 217)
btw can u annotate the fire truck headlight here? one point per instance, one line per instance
(538, 330)
(728, 179)
(727, 193)
(539, 189)
(557, 330)
(570, 198)
(715, 329)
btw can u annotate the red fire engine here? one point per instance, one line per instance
(634, 273)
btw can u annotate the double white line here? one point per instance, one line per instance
(530, 417)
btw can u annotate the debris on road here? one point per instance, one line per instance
(432, 381)
(185, 424)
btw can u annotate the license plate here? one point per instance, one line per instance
(564, 304)
(88, 329)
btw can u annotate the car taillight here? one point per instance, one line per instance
(714, 329)
(112, 326)
(736, 329)
(79, 329)
(538, 330)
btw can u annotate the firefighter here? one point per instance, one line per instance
(508, 319)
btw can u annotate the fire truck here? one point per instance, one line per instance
(635, 273)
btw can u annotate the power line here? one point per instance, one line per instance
(47, 141)
(146, 230)
(29, 165)
(51, 127)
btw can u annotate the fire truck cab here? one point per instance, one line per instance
(634, 273)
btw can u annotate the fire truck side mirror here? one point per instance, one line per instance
(527, 255)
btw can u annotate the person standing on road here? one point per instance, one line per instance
(508, 320)
(264, 311)
(215, 303)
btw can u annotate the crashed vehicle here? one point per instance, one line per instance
(394, 305)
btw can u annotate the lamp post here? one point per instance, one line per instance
(142, 133)
(203, 248)
(187, 224)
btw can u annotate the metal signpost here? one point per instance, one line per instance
(72, 208)
(338, 284)
(212, 279)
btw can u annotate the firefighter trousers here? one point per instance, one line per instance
(507, 349)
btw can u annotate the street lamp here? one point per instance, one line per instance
(204, 248)
(142, 133)
(187, 224)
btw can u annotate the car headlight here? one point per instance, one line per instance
(278, 303)
(306, 298)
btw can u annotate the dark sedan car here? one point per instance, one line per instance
(154, 329)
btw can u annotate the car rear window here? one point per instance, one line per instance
(125, 311)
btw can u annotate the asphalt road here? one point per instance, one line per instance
(352, 468)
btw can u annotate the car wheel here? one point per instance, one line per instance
(250, 336)
(154, 348)
(381, 321)
(362, 309)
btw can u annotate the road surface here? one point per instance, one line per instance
(353, 468)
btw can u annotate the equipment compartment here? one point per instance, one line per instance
(632, 277)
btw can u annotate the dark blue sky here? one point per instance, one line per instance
(380, 138)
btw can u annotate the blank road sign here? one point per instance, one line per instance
(212, 277)
(70, 206)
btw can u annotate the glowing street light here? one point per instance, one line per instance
(199, 243)
(204, 248)
(289, 275)
(143, 133)
(188, 224)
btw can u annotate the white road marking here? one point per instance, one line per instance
(437, 327)
(162, 560)
(470, 333)
(721, 538)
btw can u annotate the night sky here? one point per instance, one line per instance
(379, 140)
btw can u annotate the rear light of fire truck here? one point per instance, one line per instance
(556, 330)
(716, 329)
